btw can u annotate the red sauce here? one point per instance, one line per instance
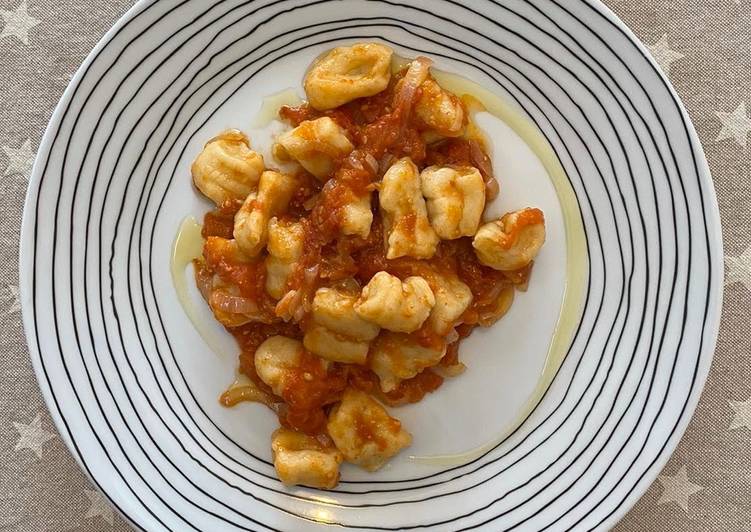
(308, 187)
(248, 275)
(308, 388)
(221, 221)
(454, 151)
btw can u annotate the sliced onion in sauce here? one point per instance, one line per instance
(416, 73)
(249, 392)
(386, 161)
(372, 163)
(232, 304)
(204, 281)
(481, 161)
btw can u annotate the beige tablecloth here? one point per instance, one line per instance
(705, 45)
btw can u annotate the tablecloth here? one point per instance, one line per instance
(703, 45)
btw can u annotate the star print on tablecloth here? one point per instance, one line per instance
(32, 436)
(100, 507)
(20, 160)
(18, 23)
(742, 417)
(677, 488)
(15, 301)
(735, 125)
(739, 269)
(663, 54)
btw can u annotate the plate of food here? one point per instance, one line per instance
(371, 264)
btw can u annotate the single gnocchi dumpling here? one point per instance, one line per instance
(357, 217)
(396, 357)
(364, 432)
(338, 333)
(440, 110)
(394, 304)
(405, 219)
(455, 199)
(305, 460)
(277, 358)
(285, 246)
(452, 298)
(227, 169)
(347, 73)
(334, 346)
(275, 191)
(317, 145)
(513, 241)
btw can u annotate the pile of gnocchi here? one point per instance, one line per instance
(351, 261)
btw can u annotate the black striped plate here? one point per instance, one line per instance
(132, 386)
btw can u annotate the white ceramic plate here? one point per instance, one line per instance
(132, 385)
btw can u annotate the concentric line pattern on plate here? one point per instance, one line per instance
(631, 378)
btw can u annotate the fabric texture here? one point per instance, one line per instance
(703, 45)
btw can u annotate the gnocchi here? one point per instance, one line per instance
(285, 245)
(455, 199)
(364, 432)
(356, 217)
(396, 305)
(338, 332)
(305, 460)
(452, 298)
(512, 242)
(405, 219)
(251, 221)
(347, 73)
(441, 111)
(275, 358)
(317, 145)
(227, 169)
(396, 357)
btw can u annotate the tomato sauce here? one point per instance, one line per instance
(308, 389)
(221, 221)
